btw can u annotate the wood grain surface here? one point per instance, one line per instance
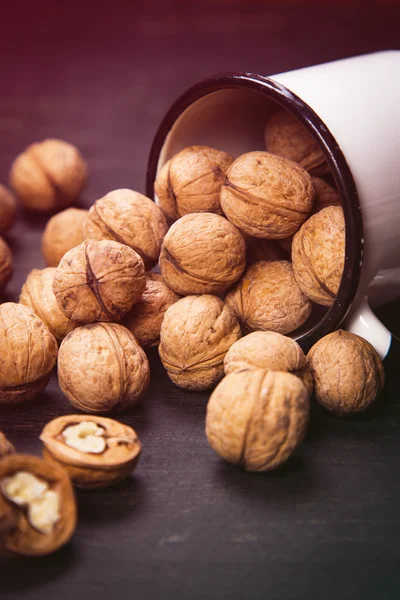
(187, 525)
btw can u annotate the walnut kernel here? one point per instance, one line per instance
(63, 232)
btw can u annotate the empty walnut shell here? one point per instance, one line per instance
(267, 298)
(18, 537)
(28, 353)
(286, 136)
(101, 367)
(99, 281)
(146, 317)
(129, 218)
(266, 196)
(8, 209)
(318, 252)
(97, 466)
(6, 264)
(196, 333)
(271, 351)
(6, 446)
(191, 181)
(37, 294)
(256, 418)
(63, 231)
(348, 372)
(325, 195)
(202, 253)
(48, 175)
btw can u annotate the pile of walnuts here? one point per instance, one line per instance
(246, 247)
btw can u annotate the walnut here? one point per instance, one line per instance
(6, 264)
(28, 353)
(37, 294)
(99, 281)
(191, 181)
(259, 249)
(268, 298)
(129, 218)
(8, 209)
(266, 196)
(256, 418)
(146, 317)
(6, 446)
(202, 253)
(286, 136)
(39, 503)
(95, 452)
(286, 244)
(48, 175)
(348, 373)
(196, 333)
(271, 351)
(318, 252)
(63, 232)
(325, 195)
(101, 367)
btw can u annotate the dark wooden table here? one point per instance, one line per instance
(327, 525)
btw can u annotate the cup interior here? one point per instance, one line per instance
(229, 112)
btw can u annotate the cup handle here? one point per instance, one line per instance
(366, 324)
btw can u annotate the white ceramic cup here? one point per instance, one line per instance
(352, 108)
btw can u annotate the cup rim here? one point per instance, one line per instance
(282, 96)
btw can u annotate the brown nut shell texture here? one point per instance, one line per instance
(28, 353)
(318, 252)
(190, 182)
(348, 372)
(37, 294)
(63, 231)
(48, 175)
(101, 367)
(325, 195)
(99, 281)
(266, 196)
(267, 298)
(256, 418)
(271, 351)
(6, 264)
(95, 451)
(196, 333)
(6, 447)
(146, 317)
(286, 136)
(8, 209)
(202, 253)
(131, 219)
(38, 502)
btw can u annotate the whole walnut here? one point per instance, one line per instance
(28, 353)
(129, 218)
(63, 231)
(98, 281)
(37, 294)
(318, 252)
(48, 175)
(348, 373)
(202, 253)
(267, 298)
(266, 196)
(259, 249)
(6, 264)
(146, 317)
(191, 181)
(101, 368)
(256, 418)
(286, 136)
(8, 209)
(196, 333)
(325, 195)
(271, 351)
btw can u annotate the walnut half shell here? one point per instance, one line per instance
(95, 452)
